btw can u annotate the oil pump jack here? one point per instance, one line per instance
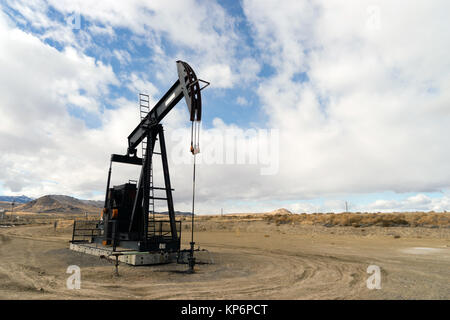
(128, 218)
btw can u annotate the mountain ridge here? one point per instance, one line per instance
(59, 204)
(16, 199)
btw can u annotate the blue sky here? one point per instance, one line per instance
(223, 100)
(362, 113)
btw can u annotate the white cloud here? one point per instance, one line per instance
(100, 30)
(33, 12)
(419, 202)
(36, 14)
(219, 74)
(248, 70)
(374, 114)
(136, 83)
(40, 140)
(200, 31)
(123, 56)
(241, 101)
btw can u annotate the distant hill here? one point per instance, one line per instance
(94, 203)
(16, 199)
(279, 211)
(59, 204)
(5, 205)
(63, 204)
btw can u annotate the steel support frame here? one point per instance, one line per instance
(143, 193)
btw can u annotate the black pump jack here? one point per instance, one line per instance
(125, 217)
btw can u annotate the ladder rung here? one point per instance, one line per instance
(157, 198)
(160, 188)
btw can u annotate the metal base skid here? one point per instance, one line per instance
(134, 258)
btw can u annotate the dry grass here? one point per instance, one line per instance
(409, 219)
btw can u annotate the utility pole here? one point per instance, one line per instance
(346, 206)
(12, 209)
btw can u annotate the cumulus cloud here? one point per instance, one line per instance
(373, 112)
(45, 147)
(359, 96)
(200, 32)
(241, 101)
(419, 202)
(40, 140)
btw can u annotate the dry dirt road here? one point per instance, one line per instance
(305, 264)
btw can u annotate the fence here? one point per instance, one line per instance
(85, 230)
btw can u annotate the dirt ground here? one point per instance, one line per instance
(247, 259)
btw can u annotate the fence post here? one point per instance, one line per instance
(73, 231)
